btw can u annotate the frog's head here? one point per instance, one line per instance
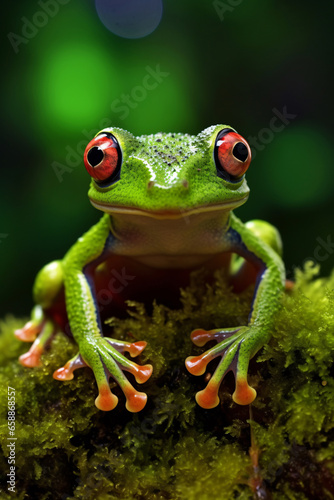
(167, 175)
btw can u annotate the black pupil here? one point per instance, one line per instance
(240, 152)
(95, 156)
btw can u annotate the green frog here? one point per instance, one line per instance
(167, 201)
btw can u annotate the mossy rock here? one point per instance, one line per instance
(67, 449)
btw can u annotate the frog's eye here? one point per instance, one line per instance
(232, 155)
(103, 158)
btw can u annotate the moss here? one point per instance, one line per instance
(173, 449)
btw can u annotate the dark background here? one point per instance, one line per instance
(236, 66)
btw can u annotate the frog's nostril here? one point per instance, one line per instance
(185, 184)
(150, 184)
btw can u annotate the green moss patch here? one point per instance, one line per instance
(173, 449)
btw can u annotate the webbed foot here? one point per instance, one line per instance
(105, 357)
(236, 346)
(38, 330)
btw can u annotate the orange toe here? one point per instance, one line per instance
(196, 365)
(32, 358)
(28, 333)
(200, 337)
(243, 394)
(136, 348)
(63, 373)
(208, 397)
(106, 400)
(143, 373)
(135, 401)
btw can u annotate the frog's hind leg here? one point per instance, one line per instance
(31, 329)
(244, 273)
(32, 358)
(41, 329)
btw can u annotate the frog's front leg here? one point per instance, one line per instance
(103, 355)
(236, 346)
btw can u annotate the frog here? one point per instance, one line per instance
(168, 202)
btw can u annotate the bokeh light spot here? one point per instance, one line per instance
(75, 85)
(130, 18)
(298, 167)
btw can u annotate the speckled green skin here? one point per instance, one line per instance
(168, 159)
(168, 210)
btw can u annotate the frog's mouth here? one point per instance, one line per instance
(175, 213)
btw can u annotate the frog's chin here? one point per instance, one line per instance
(166, 213)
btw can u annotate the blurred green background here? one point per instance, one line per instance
(230, 62)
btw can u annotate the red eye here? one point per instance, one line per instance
(103, 158)
(232, 155)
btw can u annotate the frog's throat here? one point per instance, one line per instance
(167, 213)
